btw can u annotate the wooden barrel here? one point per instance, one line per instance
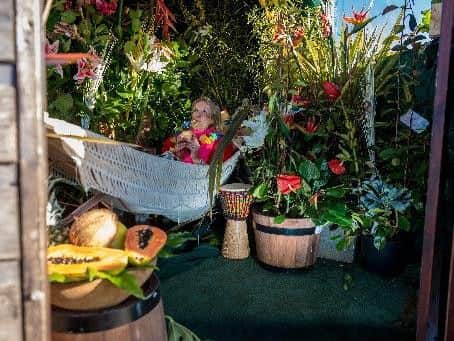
(290, 245)
(132, 320)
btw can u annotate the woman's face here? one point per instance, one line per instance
(202, 116)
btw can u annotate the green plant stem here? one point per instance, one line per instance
(119, 18)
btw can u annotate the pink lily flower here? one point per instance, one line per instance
(52, 49)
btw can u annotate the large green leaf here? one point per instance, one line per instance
(309, 171)
(260, 191)
(124, 280)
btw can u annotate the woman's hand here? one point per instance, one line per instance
(194, 147)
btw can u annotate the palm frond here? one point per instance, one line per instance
(215, 169)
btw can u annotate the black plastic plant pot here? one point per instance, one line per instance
(388, 262)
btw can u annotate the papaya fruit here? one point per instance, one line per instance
(98, 227)
(143, 242)
(73, 261)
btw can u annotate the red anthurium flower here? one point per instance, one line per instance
(357, 18)
(336, 166)
(297, 36)
(288, 183)
(331, 90)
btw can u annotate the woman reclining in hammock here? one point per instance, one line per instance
(198, 144)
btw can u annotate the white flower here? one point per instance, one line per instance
(155, 64)
(259, 129)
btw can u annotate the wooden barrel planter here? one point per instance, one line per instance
(132, 320)
(290, 245)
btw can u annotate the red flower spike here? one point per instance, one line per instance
(336, 166)
(288, 119)
(164, 18)
(326, 25)
(357, 18)
(279, 34)
(288, 183)
(297, 100)
(331, 90)
(297, 36)
(311, 125)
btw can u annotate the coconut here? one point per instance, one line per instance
(98, 227)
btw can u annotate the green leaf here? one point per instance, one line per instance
(359, 27)
(404, 223)
(388, 153)
(63, 103)
(279, 219)
(308, 170)
(69, 17)
(412, 22)
(124, 280)
(260, 191)
(57, 278)
(379, 242)
(336, 192)
(389, 8)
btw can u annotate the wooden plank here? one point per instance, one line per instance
(449, 325)
(8, 131)
(30, 87)
(6, 31)
(429, 293)
(10, 314)
(9, 211)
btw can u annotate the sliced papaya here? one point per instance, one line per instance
(143, 242)
(73, 261)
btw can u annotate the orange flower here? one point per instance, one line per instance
(357, 18)
(288, 183)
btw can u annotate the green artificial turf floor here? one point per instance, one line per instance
(222, 299)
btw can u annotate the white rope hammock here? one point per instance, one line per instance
(138, 182)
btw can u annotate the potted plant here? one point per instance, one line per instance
(293, 192)
(382, 209)
(318, 139)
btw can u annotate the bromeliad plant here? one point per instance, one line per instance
(382, 211)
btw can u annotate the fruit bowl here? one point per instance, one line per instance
(93, 295)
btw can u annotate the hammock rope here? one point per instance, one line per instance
(138, 182)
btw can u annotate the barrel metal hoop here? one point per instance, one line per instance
(296, 231)
(70, 321)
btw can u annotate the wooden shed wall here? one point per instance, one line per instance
(23, 173)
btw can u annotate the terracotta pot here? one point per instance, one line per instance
(290, 245)
(96, 294)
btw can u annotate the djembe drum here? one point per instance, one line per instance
(236, 201)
